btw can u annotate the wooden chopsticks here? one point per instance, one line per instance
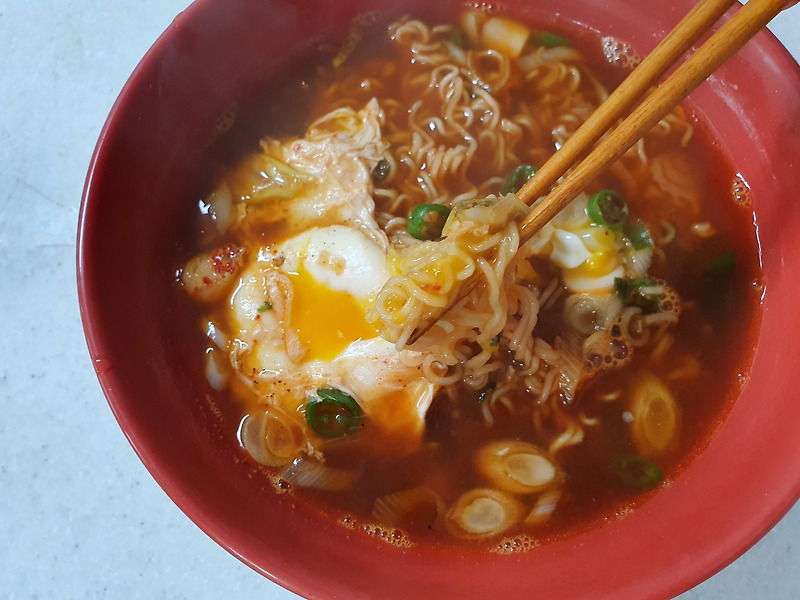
(723, 44)
(677, 42)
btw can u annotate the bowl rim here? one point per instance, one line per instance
(705, 563)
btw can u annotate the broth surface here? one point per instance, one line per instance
(704, 249)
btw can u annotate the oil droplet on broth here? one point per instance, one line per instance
(619, 53)
(623, 511)
(741, 192)
(516, 545)
(390, 535)
(278, 483)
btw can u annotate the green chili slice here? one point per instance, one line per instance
(639, 236)
(518, 178)
(607, 208)
(550, 40)
(636, 471)
(427, 220)
(332, 413)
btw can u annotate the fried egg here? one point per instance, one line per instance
(589, 255)
(298, 323)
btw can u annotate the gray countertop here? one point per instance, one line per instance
(80, 517)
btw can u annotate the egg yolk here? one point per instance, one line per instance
(600, 263)
(326, 320)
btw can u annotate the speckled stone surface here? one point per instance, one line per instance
(79, 515)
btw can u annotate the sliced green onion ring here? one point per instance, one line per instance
(332, 413)
(639, 236)
(518, 178)
(607, 208)
(427, 220)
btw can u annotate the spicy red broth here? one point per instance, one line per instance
(583, 453)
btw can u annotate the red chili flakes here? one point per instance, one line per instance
(226, 258)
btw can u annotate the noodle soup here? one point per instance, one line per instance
(585, 367)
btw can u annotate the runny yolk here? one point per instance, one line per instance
(326, 320)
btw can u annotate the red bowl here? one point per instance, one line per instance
(148, 167)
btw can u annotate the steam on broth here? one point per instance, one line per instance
(587, 366)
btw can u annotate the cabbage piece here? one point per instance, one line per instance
(311, 473)
(262, 178)
(322, 178)
(419, 503)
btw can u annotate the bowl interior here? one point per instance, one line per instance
(148, 171)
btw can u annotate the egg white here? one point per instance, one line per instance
(298, 322)
(588, 254)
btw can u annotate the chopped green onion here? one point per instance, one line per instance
(495, 341)
(629, 290)
(607, 208)
(380, 171)
(639, 236)
(486, 392)
(265, 307)
(427, 220)
(550, 40)
(723, 265)
(647, 302)
(625, 286)
(518, 178)
(332, 413)
(621, 287)
(457, 38)
(636, 471)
